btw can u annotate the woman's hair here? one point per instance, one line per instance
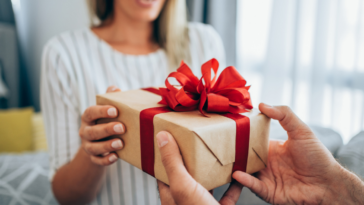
(170, 28)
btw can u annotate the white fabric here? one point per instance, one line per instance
(306, 54)
(76, 66)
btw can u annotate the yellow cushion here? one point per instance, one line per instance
(40, 141)
(16, 130)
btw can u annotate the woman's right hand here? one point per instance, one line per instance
(101, 152)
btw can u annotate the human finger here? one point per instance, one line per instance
(113, 88)
(254, 184)
(165, 194)
(95, 112)
(99, 131)
(288, 120)
(104, 160)
(171, 158)
(103, 147)
(231, 196)
(184, 189)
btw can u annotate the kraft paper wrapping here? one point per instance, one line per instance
(207, 144)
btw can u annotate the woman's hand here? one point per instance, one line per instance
(101, 151)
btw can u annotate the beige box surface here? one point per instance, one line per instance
(207, 144)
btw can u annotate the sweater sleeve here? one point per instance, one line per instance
(59, 106)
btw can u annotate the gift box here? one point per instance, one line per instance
(213, 144)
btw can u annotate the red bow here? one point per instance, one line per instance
(226, 94)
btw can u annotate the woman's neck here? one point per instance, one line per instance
(127, 35)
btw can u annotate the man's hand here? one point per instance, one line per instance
(183, 188)
(300, 170)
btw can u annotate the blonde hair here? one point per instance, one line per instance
(170, 28)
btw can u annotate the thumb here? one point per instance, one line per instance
(171, 157)
(184, 189)
(288, 120)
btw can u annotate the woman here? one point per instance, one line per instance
(136, 44)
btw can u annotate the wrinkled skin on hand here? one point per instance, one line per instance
(299, 171)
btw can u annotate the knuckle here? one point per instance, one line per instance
(80, 133)
(103, 112)
(90, 148)
(182, 192)
(100, 161)
(108, 130)
(107, 147)
(105, 161)
(287, 114)
(166, 160)
(90, 133)
(94, 160)
(177, 191)
(287, 109)
(83, 145)
(88, 113)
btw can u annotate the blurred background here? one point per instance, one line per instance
(307, 54)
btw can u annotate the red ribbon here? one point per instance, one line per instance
(228, 93)
(241, 141)
(147, 136)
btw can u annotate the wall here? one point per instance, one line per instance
(38, 21)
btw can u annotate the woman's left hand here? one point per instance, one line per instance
(183, 188)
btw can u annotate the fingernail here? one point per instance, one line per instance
(111, 112)
(113, 158)
(118, 128)
(105, 154)
(162, 139)
(116, 144)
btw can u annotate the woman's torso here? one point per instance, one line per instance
(76, 67)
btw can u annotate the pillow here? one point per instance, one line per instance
(351, 155)
(16, 130)
(40, 141)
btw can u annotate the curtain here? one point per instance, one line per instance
(306, 54)
(6, 12)
(37, 21)
(222, 16)
(11, 77)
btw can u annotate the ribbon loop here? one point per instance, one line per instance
(221, 104)
(227, 94)
(217, 103)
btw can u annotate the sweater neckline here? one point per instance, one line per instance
(104, 43)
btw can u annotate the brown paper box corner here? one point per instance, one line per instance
(207, 145)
